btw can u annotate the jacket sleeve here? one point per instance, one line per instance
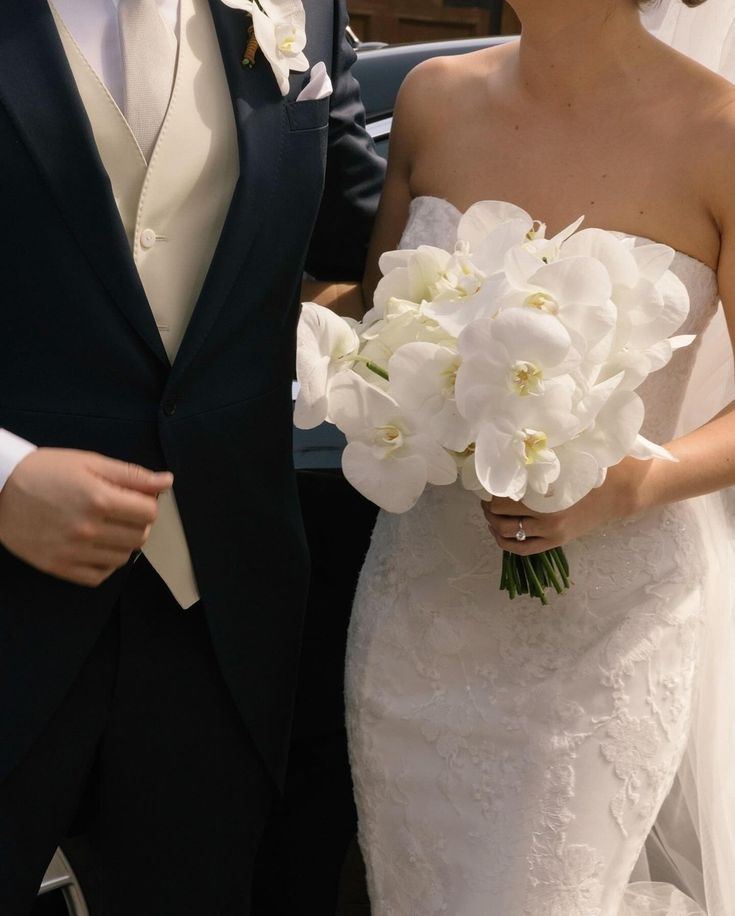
(354, 176)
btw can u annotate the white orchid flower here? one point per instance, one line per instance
(326, 345)
(585, 459)
(516, 446)
(548, 250)
(404, 322)
(612, 252)
(491, 228)
(410, 276)
(449, 287)
(614, 430)
(468, 472)
(280, 27)
(575, 290)
(388, 459)
(463, 294)
(245, 5)
(652, 302)
(422, 380)
(649, 314)
(521, 353)
(579, 474)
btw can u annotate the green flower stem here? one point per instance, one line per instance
(563, 558)
(551, 572)
(535, 575)
(525, 587)
(538, 589)
(562, 564)
(373, 367)
(378, 370)
(518, 577)
(512, 587)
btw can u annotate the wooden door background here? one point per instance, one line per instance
(397, 21)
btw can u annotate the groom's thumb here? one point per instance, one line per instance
(134, 477)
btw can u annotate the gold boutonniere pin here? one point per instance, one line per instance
(277, 30)
(251, 49)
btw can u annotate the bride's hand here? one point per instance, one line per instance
(612, 501)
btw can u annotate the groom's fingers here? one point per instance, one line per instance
(103, 558)
(126, 507)
(131, 476)
(123, 537)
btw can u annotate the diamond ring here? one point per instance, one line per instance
(521, 534)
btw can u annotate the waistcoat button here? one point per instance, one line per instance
(147, 238)
(169, 408)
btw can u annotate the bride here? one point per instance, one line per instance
(576, 760)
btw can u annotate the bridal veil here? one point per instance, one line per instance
(688, 867)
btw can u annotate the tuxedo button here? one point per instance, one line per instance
(169, 408)
(147, 238)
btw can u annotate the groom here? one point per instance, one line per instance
(150, 624)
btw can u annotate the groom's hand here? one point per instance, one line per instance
(77, 515)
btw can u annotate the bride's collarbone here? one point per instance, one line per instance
(637, 172)
(637, 190)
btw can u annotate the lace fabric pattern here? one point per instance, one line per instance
(509, 758)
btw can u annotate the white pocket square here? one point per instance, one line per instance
(319, 87)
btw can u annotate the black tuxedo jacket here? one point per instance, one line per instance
(82, 364)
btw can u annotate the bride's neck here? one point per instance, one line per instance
(573, 47)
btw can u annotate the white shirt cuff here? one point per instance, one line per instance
(13, 450)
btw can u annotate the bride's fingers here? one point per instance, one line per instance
(524, 548)
(507, 526)
(501, 506)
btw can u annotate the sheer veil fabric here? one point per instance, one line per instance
(707, 35)
(691, 850)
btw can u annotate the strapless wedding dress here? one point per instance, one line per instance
(511, 759)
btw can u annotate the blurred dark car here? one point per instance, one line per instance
(326, 498)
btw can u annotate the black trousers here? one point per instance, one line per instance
(312, 826)
(149, 742)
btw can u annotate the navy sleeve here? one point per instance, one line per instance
(354, 176)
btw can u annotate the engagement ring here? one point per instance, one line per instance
(520, 534)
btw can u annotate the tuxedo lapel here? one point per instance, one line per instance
(38, 90)
(259, 119)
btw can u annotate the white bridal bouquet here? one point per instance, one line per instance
(511, 363)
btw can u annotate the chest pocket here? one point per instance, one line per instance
(312, 114)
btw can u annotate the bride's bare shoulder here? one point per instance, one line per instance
(697, 117)
(453, 82)
(702, 104)
(697, 93)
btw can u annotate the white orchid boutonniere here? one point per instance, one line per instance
(278, 29)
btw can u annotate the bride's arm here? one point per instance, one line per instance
(343, 298)
(396, 200)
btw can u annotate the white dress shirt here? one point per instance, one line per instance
(93, 25)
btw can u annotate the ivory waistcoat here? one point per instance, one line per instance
(173, 210)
